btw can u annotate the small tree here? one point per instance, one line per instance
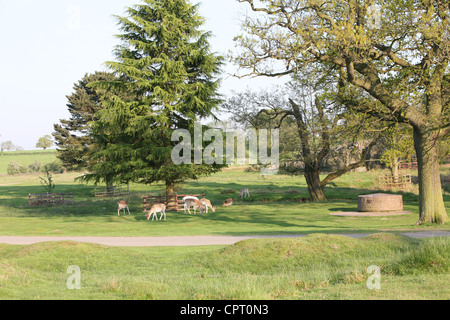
(47, 180)
(44, 142)
(6, 145)
(399, 144)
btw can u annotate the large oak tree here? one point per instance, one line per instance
(396, 52)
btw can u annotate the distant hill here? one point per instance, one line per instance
(25, 158)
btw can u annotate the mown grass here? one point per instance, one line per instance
(313, 267)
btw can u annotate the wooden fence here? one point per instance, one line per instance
(174, 203)
(394, 182)
(408, 165)
(113, 191)
(49, 199)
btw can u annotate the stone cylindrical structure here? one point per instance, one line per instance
(380, 202)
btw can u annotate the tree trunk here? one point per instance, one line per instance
(312, 176)
(431, 202)
(109, 183)
(394, 170)
(109, 186)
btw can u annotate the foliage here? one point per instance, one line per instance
(45, 142)
(166, 64)
(6, 145)
(73, 138)
(55, 166)
(313, 125)
(15, 168)
(399, 145)
(47, 180)
(396, 61)
(35, 166)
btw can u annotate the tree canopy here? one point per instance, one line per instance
(394, 54)
(165, 62)
(45, 142)
(72, 136)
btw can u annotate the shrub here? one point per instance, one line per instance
(54, 167)
(47, 180)
(15, 168)
(34, 166)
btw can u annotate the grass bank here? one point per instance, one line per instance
(314, 267)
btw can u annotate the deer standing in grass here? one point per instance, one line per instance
(244, 192)
(188, 203)
(159, 207)
(122, 205)
(206, 203)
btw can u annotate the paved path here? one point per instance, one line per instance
(183, 240)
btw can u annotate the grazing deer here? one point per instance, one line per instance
(244, 192)
(159, 207)
(228, 202)
(122, 205)
(193, 203)
(206, 203)
(189, 197)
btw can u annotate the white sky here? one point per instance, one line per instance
(48, 45)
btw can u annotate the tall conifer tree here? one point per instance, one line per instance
(72, 136)
(165, 61)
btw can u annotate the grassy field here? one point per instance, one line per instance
(314, 267)
(322, 265)
(273, 208)
(25, 158)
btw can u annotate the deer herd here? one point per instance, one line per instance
(190, 202)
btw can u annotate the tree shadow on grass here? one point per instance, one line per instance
(85, 204)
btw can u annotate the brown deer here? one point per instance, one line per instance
(206, 203)
(122, 205)
(159, 207)
(188, 203)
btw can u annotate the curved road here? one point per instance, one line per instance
(183, 240)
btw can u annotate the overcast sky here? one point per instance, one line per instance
(48, 45)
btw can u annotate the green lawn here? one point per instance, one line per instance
(273, 208)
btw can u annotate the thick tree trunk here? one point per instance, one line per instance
(312, 176)
(431, 202)
(109, 186)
